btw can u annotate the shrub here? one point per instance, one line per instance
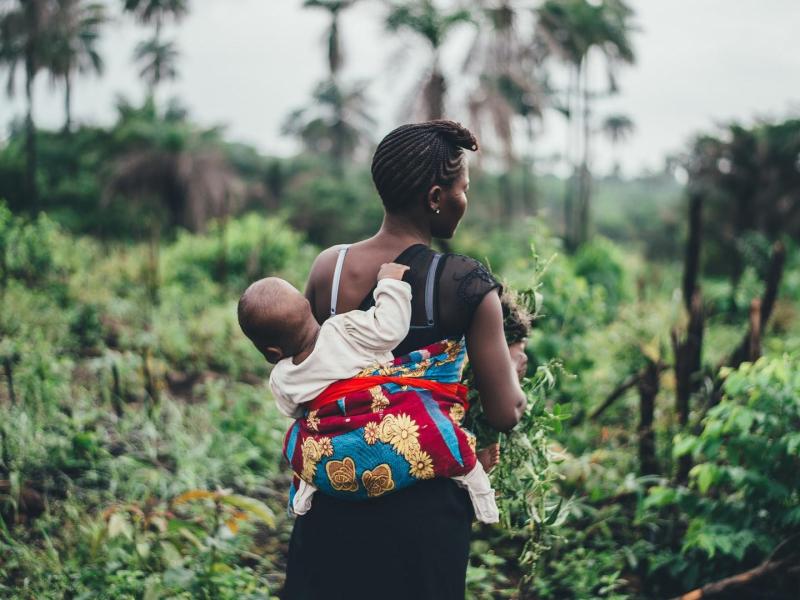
(235, 253)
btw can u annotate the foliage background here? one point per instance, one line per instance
(139, 448)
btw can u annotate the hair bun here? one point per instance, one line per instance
(455, 133)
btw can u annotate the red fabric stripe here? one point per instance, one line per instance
(347, 386)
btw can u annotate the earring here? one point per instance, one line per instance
(437, 211)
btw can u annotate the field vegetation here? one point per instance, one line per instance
(140, 451)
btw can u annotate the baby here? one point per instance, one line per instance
(278, 320)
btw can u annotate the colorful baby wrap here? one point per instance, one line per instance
(386, 428)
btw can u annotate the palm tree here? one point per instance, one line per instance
(423, 18)
(617, 128)
(156, 11)
(334, 7)
(572, 29)
(158, 57)
(24, 30)
(76, 32)
(158, 60)
(507, 84)
(337, 122)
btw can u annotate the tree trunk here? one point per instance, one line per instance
(8, 370)
(151, 86)
(529, 194)
(116, 390)
(434, 91)
(569, 234)
(334, 50)
(150, 386)
(526, 192)
(572, 105)
(585, 182)
(688, 364)
(648, 390)
(337, 149)
(766, 304)
(620, 390)
(67, 103)
(759, 317)
(30, 135)
(691, 269)
(688, 351)
(754, 343)
(152, 263)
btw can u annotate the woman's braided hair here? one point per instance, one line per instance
(414, 157)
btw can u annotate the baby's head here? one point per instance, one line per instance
(276, 317)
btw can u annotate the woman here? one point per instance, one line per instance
(414, 543)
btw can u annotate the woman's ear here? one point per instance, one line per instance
(434, 199)
(272, 353)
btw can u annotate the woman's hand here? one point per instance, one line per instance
(518, 357)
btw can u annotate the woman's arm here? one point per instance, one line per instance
(493, 365)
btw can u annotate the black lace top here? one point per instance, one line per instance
(460, 284)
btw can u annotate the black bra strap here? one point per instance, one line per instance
(429, 285)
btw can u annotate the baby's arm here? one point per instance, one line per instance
(284, 403)
(385, 325)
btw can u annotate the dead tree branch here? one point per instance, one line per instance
(618, 391)
(729, 586)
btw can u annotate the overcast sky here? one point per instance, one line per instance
(247, 63)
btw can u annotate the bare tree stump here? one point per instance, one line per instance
(648, 390)
(688, 364)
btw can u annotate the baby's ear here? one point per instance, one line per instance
(272, 353)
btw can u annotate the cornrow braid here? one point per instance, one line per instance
(412, 158)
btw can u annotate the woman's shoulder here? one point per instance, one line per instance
(466, 268)
(324, 263)
(466, 280)
(327, 257)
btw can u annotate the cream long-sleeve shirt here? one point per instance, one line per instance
(347, 344)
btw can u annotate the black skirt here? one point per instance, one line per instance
(411, 544)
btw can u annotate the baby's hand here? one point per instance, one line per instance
(489, 457)
(392, 271)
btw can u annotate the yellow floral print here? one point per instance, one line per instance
(456, 413)
(366, 372)
(371, 431)
(313, 420)
(326, 446)
(401, 432)
(342, 474)
(312, 451)
(379, 401)
(378, 481)
(420, 465)
(471, 440)
(384, 428)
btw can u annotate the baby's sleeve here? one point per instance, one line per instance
(385, 325)
(285, 404)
